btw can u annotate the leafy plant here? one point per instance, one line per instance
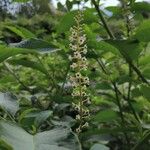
(36, 102)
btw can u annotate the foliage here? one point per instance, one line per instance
(35, 98)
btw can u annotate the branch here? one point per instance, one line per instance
(101, 64)
(112, 36)
(103, 19)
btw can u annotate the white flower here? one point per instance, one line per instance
(78, 75)
(78, 130)
(82, 39)
(70, 57)
(86, 80)
(78, 117)
(71, 39)
(77, 55)
(74, 65)
(73, 47)
(86, 125)
(84, 59)
(79, 81)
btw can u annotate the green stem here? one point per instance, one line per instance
(96, 5)
(121, 114)
(113, 37)
(142, 141)
(16, 77)
(47, 72)
(66, 74)
(78, 140)
(101, 64)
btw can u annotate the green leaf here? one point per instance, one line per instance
(114, 131)
(145, 90)
(89, 16)
(69, 4)
(116, 10)
(29, 64)
(99, 147)
(42, 116)
(55, 139)
(146, 72)
(102, 47)
(37, 44)
(9, 103)
(143, 31)
(140, 7)
(61, 7)
(105, 116)
(33, 116)
(144, 60)
(4, 145)
(129, 49)
(68, 21)
(143, 143)
(103, 85)
(21, 1)
(7, 52)
(22, 32)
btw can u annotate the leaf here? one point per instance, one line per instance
(21, 1)
(36, 117)
(42, 116)
(61, 7)
(105, 116)
(103, 85)
(55, 139)
(34, 43)
(143, 143)
(22, 32)
(99, 147)
(145, 90)
(129, 49)
(143, 31)
(7, 52)
(116, 10)
(144, 60)
(30, 64)
(68, 21)
(4, 145)
(114, 131)
(102, 47)
(140, 7)
(9, 103)
(69, 4)
(146, 72)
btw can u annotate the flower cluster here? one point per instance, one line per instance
(78, 78)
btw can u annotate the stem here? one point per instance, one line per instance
(80, 99)
(9, 115)
(129, 95)
(66, 74)
(113, 37)
(78, 140)
(103, 19)
(130, 82)
(145, 138)
(16, 77)
(101, 64)
(121, 114)
(126, 17)
(47, 72)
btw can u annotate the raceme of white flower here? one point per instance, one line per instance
(78, 78)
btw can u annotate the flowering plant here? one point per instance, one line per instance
(78, 78)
